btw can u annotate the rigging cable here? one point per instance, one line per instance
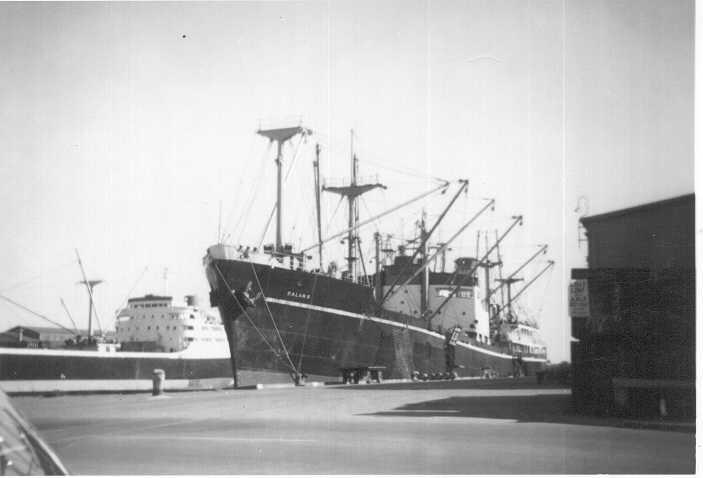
(307, 325)
(273, 321)
(33, 278)
(75, 327)
(544, 295)
(17, 304)
(254, 187)
(126, 299)
(251, 322)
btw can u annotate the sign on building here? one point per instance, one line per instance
(578, 298)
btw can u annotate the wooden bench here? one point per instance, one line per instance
(368, 374)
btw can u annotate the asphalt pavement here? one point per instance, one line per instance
(427, 428)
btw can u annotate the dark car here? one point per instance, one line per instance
(22, 451)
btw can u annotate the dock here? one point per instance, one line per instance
(440, 427)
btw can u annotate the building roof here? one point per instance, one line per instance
(637, 209)
(45, 330)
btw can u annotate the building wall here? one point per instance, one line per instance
(641, 297)
(654, 236)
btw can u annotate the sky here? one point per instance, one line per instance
(127, 131)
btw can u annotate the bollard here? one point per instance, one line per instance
(158, 379)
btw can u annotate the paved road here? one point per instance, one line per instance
(458, 428)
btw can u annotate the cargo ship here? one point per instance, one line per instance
(151, 332)
(408, 317)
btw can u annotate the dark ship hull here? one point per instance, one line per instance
(326, 324)
(58, 364)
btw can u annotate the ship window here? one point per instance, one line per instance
(148, 327)
(190, 327)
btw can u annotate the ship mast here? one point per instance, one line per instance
(352, 192)
(89, 284)
(425, 282)
(316, 166)
(280, 136)
(487, 265)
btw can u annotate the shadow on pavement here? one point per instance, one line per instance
(538, 408)
(526, 383)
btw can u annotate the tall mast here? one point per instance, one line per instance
(353, 216)
(487, 265)
(89, 284)
(316, 166)
(280, 136)
(500, 270)
(377, 277)
(425, 282)
(352, 192)
(508, 282)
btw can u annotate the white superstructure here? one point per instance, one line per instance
(157, 323)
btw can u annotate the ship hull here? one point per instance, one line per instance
(46, 364)
(320, 325)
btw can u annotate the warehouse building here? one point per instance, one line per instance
(633, 312)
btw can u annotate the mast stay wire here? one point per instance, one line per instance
(363, 223)
(544, 294)
(273, 321)
(134, 286)
(63, 304)
(17, 304)
(28, 281)
(307, 326)
(251, 322)
(378, 162)
(236, 202)
(244, 215)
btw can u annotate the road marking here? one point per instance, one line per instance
(213, 438)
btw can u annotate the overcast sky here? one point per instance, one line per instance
(124, 126)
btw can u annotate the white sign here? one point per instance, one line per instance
(578, 298)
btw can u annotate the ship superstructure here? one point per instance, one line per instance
(158, 324)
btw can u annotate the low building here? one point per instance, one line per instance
(633, 312)
(38, 337)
